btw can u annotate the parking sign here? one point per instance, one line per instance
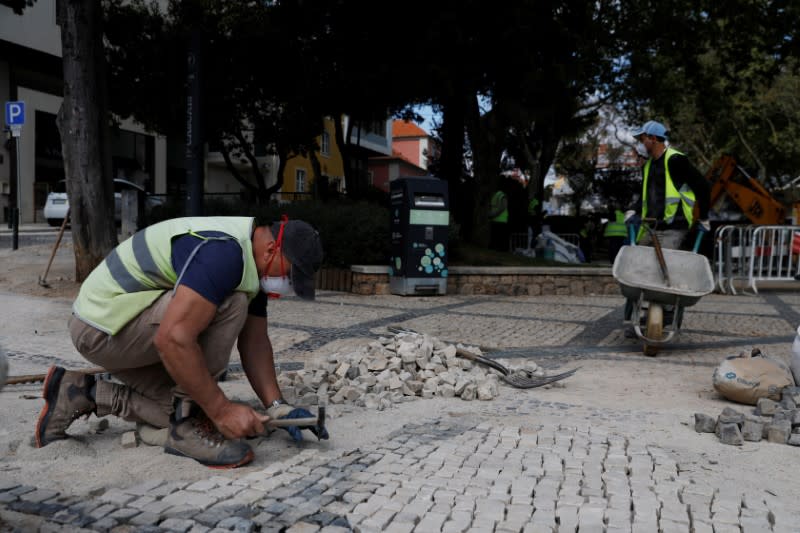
(15, 113)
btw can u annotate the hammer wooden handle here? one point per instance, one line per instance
(289, 422)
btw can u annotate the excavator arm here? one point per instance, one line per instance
(748, 194)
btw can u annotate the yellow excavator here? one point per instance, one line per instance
(729, 179)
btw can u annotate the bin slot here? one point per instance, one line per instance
(428, 200)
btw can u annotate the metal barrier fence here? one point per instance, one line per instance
(749, 254)
(521, 240)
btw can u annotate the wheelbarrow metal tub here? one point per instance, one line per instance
(637, 271)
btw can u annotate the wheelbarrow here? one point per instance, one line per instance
(651, 278)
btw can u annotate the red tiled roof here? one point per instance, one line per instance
(401, 128)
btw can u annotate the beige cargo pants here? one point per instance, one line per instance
(131, 357)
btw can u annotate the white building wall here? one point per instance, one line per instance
(422, 158)
(39, 101)
(36, 28)
(5, 155)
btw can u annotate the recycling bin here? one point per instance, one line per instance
(420, 220)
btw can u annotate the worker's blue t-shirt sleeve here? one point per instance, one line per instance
(215, 270)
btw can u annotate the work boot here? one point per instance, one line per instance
(193, 434)
(67, 397)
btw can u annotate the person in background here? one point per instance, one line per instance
(499, 233)
(533, 203)
(671, 189)
(616, 232)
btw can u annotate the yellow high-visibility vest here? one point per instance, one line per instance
(673, 196)
(139, 270)
(616, 227)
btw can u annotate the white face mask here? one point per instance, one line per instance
(276, 287)
(641, 150)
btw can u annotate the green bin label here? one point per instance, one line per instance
(426, 217)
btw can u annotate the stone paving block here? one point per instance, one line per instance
(144, 488)
(7, 484)
(491, 509)
(8, 497)
(356, 497)
(702, 527)
(754, 525)
(382, 518)
(725, 517)
(125, 514)
(38, 495)
(422, 502)
(545, 503)
(141, 502)
(157, 507)
(199, 500)
(145, 519)
(755, 514)
(726, 528)
(396, 527)
(668, 526)
(303, 527)
(102, 511)
(180, 511)
(237, 523)
(104, 524)
(538, 528)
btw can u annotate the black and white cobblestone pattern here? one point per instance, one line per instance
(433, 477)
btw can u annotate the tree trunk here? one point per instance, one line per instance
(83, 124)
(486, 135)
(452, 163)
(283, 157)
(538, 145)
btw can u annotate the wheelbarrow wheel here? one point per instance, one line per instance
(655, 327)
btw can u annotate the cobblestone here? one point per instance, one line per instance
(486, 476)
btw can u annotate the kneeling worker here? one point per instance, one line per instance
(161, 313)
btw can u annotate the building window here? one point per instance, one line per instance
(325, 144)
(370, 178)
(376, 127)
(300, 180)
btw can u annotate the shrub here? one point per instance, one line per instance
(351, 232)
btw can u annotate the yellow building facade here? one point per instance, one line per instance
(298, 176)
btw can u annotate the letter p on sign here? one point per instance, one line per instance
(15, 113)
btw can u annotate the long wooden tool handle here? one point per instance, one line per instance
(483, 360)
(33, 378)
(43, 279)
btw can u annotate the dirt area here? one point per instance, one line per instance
(22, 269)
(647, 402)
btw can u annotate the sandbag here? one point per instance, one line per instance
(794, 362)
(745, 378)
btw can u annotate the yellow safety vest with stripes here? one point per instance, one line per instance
(672, 196)
(138, 271)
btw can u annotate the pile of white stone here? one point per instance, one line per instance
(392, 370)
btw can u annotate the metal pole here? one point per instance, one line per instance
(195, 156)
(16, 211)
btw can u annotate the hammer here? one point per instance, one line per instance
(317, 423)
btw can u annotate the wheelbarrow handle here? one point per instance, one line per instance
(697, 241)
